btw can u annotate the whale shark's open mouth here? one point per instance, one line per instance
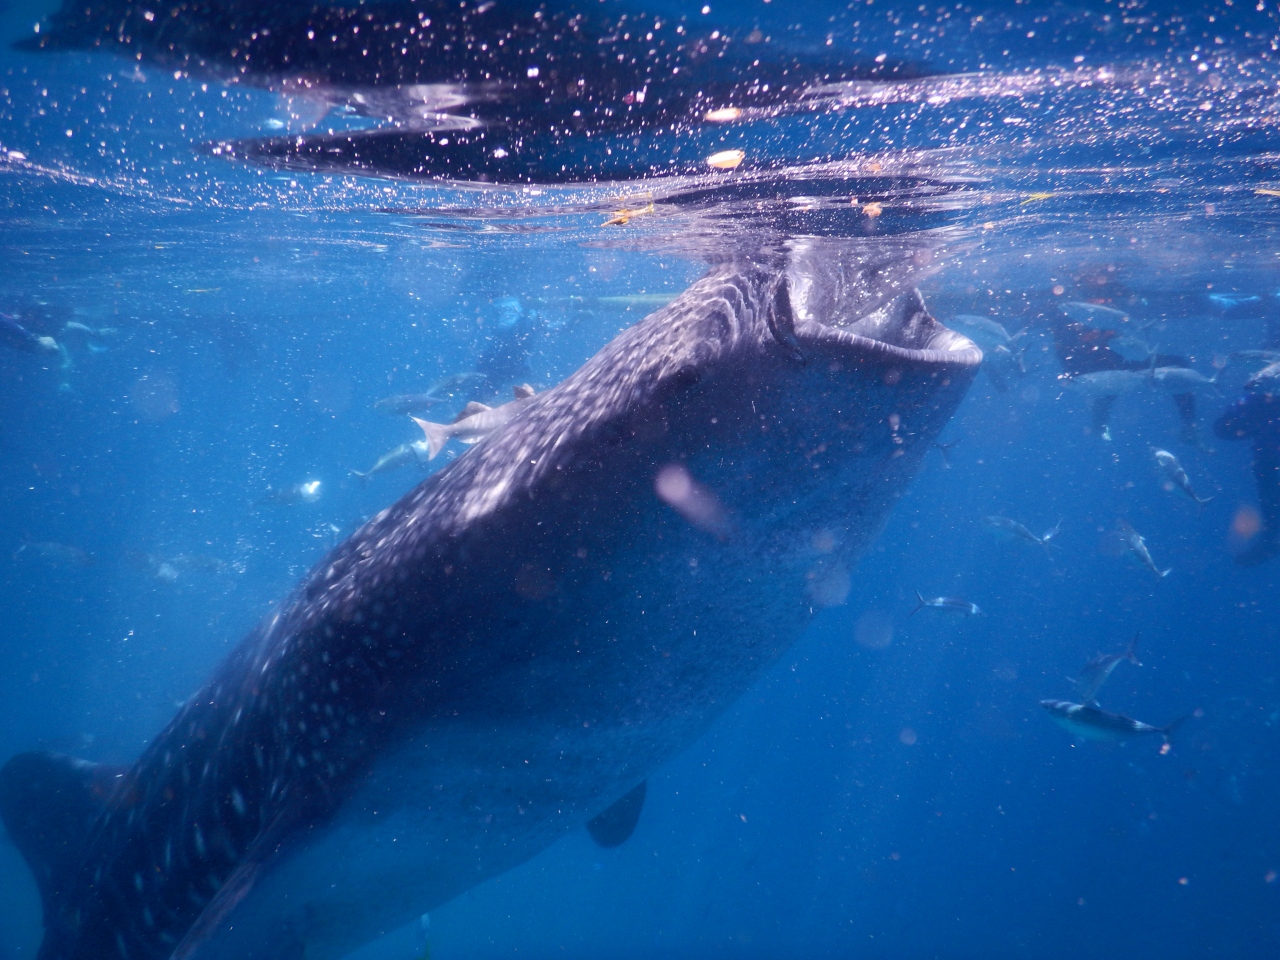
(867, 298)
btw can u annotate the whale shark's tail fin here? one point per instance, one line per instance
(49, 804)
(437, 435)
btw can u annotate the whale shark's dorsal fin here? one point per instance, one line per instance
(615, 826)
(49, 803)
(470, 410)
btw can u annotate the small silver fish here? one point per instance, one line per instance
(474, 424)
(1091, 723)
(1182, 380)
(1270, 372)
(993, 329)
(1266, 356)
(1137, 545)
(649, 300)
(306, 492)
(1094, 313)
(55, 554)
(401, 456)
(1132, 348)
(1177, 476)
(1106, 383)
(439, 392)
(76, 328)
(1228, 301)
(1016, 531)
(950, 604)
(1098, 670)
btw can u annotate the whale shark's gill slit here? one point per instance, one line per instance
(782, 320)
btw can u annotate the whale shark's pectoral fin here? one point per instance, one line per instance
(615, 826)
(49, 803)
(234, 890)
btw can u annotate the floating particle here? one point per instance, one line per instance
(726, 159)
(728, 114)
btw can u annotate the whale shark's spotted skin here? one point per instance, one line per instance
(516, 643)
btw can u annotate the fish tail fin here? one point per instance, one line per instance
(1168, 731)
(1165, 573)
(919, 605)
(436, 434)
(49, 803)
(364, 477)
(1046, 538)
(1203, 500)
(1131, 651)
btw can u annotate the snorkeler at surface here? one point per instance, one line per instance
(1255, 415)
(1085, 350)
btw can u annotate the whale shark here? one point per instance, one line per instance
(509, 651)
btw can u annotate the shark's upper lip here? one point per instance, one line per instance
(900, 328)
(943, 346)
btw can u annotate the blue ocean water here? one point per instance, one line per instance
(892, 787)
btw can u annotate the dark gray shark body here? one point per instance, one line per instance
(508, 651)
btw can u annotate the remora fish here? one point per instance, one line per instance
(1137, 545)
(513, 647)
(404, 404)
(949, 604)
(475, 422)
(1092, 723)
(1016, 531)
(401, 456)
(1177, 476)
(1098, 670)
